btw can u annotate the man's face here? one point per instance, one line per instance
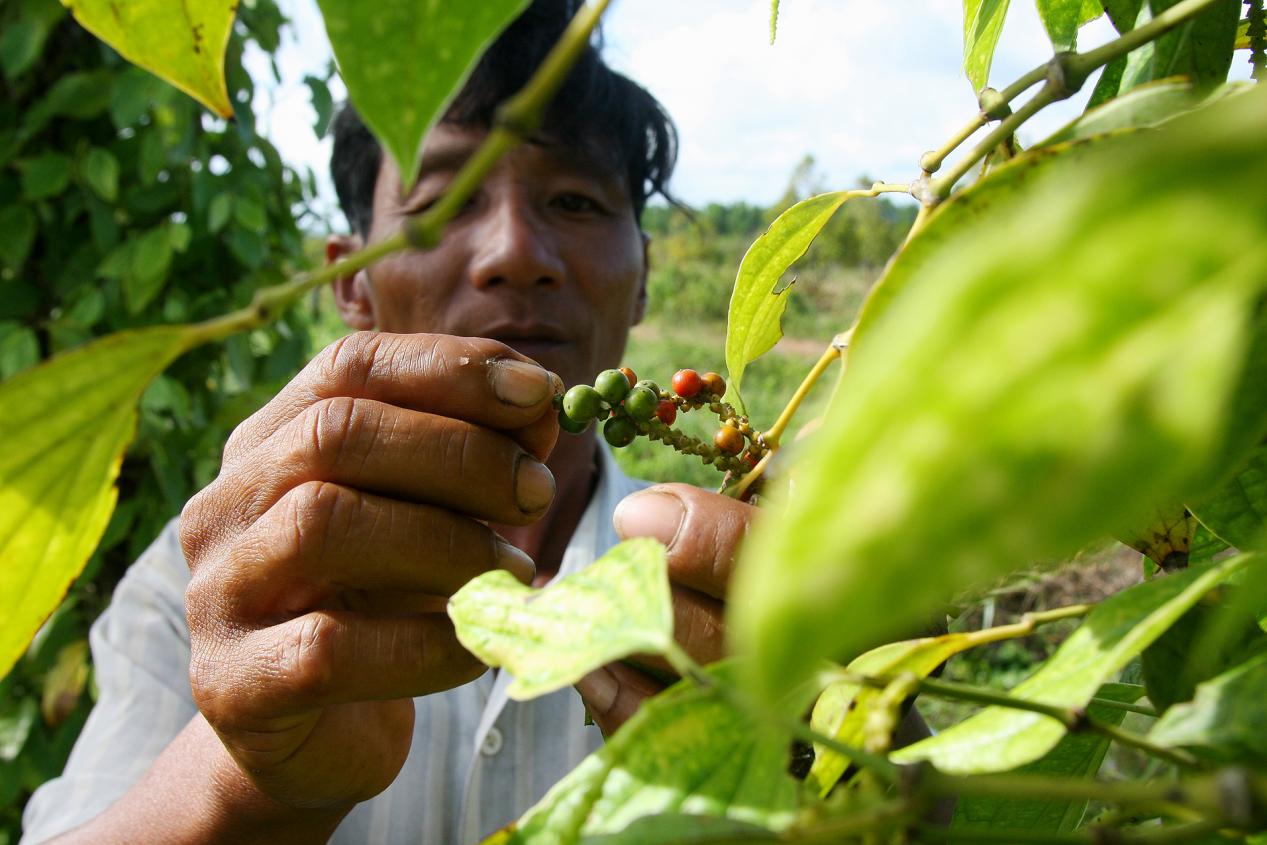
(547, 257)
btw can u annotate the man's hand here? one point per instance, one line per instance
(702, 532)
(346, 510)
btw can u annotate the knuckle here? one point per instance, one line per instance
(309, 515)
(305, 657)
(351, 359)
(331, 431)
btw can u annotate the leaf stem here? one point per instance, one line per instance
(940, 188)
(685, 666)
(1074, 719)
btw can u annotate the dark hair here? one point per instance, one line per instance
(605, 114)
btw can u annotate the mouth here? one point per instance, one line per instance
(535, 340)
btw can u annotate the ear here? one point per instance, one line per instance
(640, 306)
(352, 294)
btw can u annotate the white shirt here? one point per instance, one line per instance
(477, 762)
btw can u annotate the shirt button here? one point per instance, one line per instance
(492, 742)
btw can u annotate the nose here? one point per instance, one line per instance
(514, 246)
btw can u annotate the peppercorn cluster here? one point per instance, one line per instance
(628, 408)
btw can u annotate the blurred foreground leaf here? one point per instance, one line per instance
(1085, 334)
(64, 428)
(183, 41)
(399, 97)
(999, 739)
(550, 638)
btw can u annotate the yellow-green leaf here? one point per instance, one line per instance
(1001, 738)
(552, 637)
(64, 428)
(398, 95)
(182, 41)
(982, 24)
(841, 709)
(689, 750)
(753, 324)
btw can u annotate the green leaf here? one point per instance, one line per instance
(1062, 18)
(774, 19)
(19, 349)
(1075, 756)
(20, 46)
(1237, 511)
(399, 97)
(182, 41)
(756, 307)
(322, 104)
(982, 23)
(45, 176)
(680, 829)
(134, 93)
(16, 720)
(1200, 48)
(998, 739)
(218, 212)
(1143, 106)
(179, 235)
(1225, 720)
(250, 215)
(65, 427)
(100, 170)
(1021, 352)
(553, 637)
(842, 708)
(686, 751)
(151, 259)
(17, 222)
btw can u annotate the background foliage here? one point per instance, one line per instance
(123, 204)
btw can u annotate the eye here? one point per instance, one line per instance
(575, 203)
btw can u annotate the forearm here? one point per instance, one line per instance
(195, 793)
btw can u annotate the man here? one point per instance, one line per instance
(318, 692)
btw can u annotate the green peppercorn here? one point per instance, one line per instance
(582, 403)
(650, 385)
(641, 404)
(572, 426)
(620, 431)
(612, 386)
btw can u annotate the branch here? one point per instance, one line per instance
(1065, 75)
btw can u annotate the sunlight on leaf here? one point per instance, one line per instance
(552, 637)
(982, 24)
(686, 751)
(1224, 721)
(1146, 105)
(1062, 18)
(753, 324)
(399, 97)
(65, 426)
(998, 739)
(1030, 351)
(182, 41)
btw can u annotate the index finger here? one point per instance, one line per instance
(477, 380)
(702, 531)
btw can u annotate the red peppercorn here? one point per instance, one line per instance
(666, 412)
(728, 440)
(629, 374)
(687, 383)
(714, 384)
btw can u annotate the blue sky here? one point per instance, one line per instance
(863, 86)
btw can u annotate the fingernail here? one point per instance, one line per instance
(599, 690)
(513, 559)
(649, 514)
(520, 383)
(534, 485)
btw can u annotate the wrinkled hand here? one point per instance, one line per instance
(702, 532)
(345, 510)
